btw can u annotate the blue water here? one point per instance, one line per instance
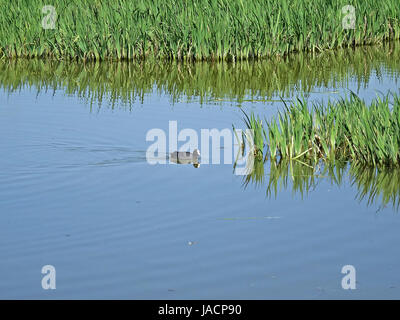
(77, 193)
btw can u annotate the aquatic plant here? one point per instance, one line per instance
(190, 29)
(343, 130)
(255, 123)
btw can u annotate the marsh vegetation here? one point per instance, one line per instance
(191, 29)
(345, 130)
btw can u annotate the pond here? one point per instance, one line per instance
(77, 190)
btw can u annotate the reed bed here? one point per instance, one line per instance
(191, 29)
(343, 130)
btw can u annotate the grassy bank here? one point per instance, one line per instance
(345, 130)
(191, 29)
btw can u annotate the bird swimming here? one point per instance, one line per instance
(185, 157)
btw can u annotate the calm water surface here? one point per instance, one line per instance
(77, 193)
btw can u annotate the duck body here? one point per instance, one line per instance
(185, 157)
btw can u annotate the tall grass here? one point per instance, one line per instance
(191, 29)
(344, 130)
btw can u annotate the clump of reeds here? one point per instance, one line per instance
(344, 130)
(191, 29)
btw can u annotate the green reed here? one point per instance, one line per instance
(343, 130)
(191, 29)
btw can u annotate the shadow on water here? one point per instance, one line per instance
(259, 81)
(377, 187)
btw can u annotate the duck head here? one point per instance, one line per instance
(196, 153)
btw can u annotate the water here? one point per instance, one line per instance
(77, 193)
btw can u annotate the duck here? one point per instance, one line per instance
(185, 157)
